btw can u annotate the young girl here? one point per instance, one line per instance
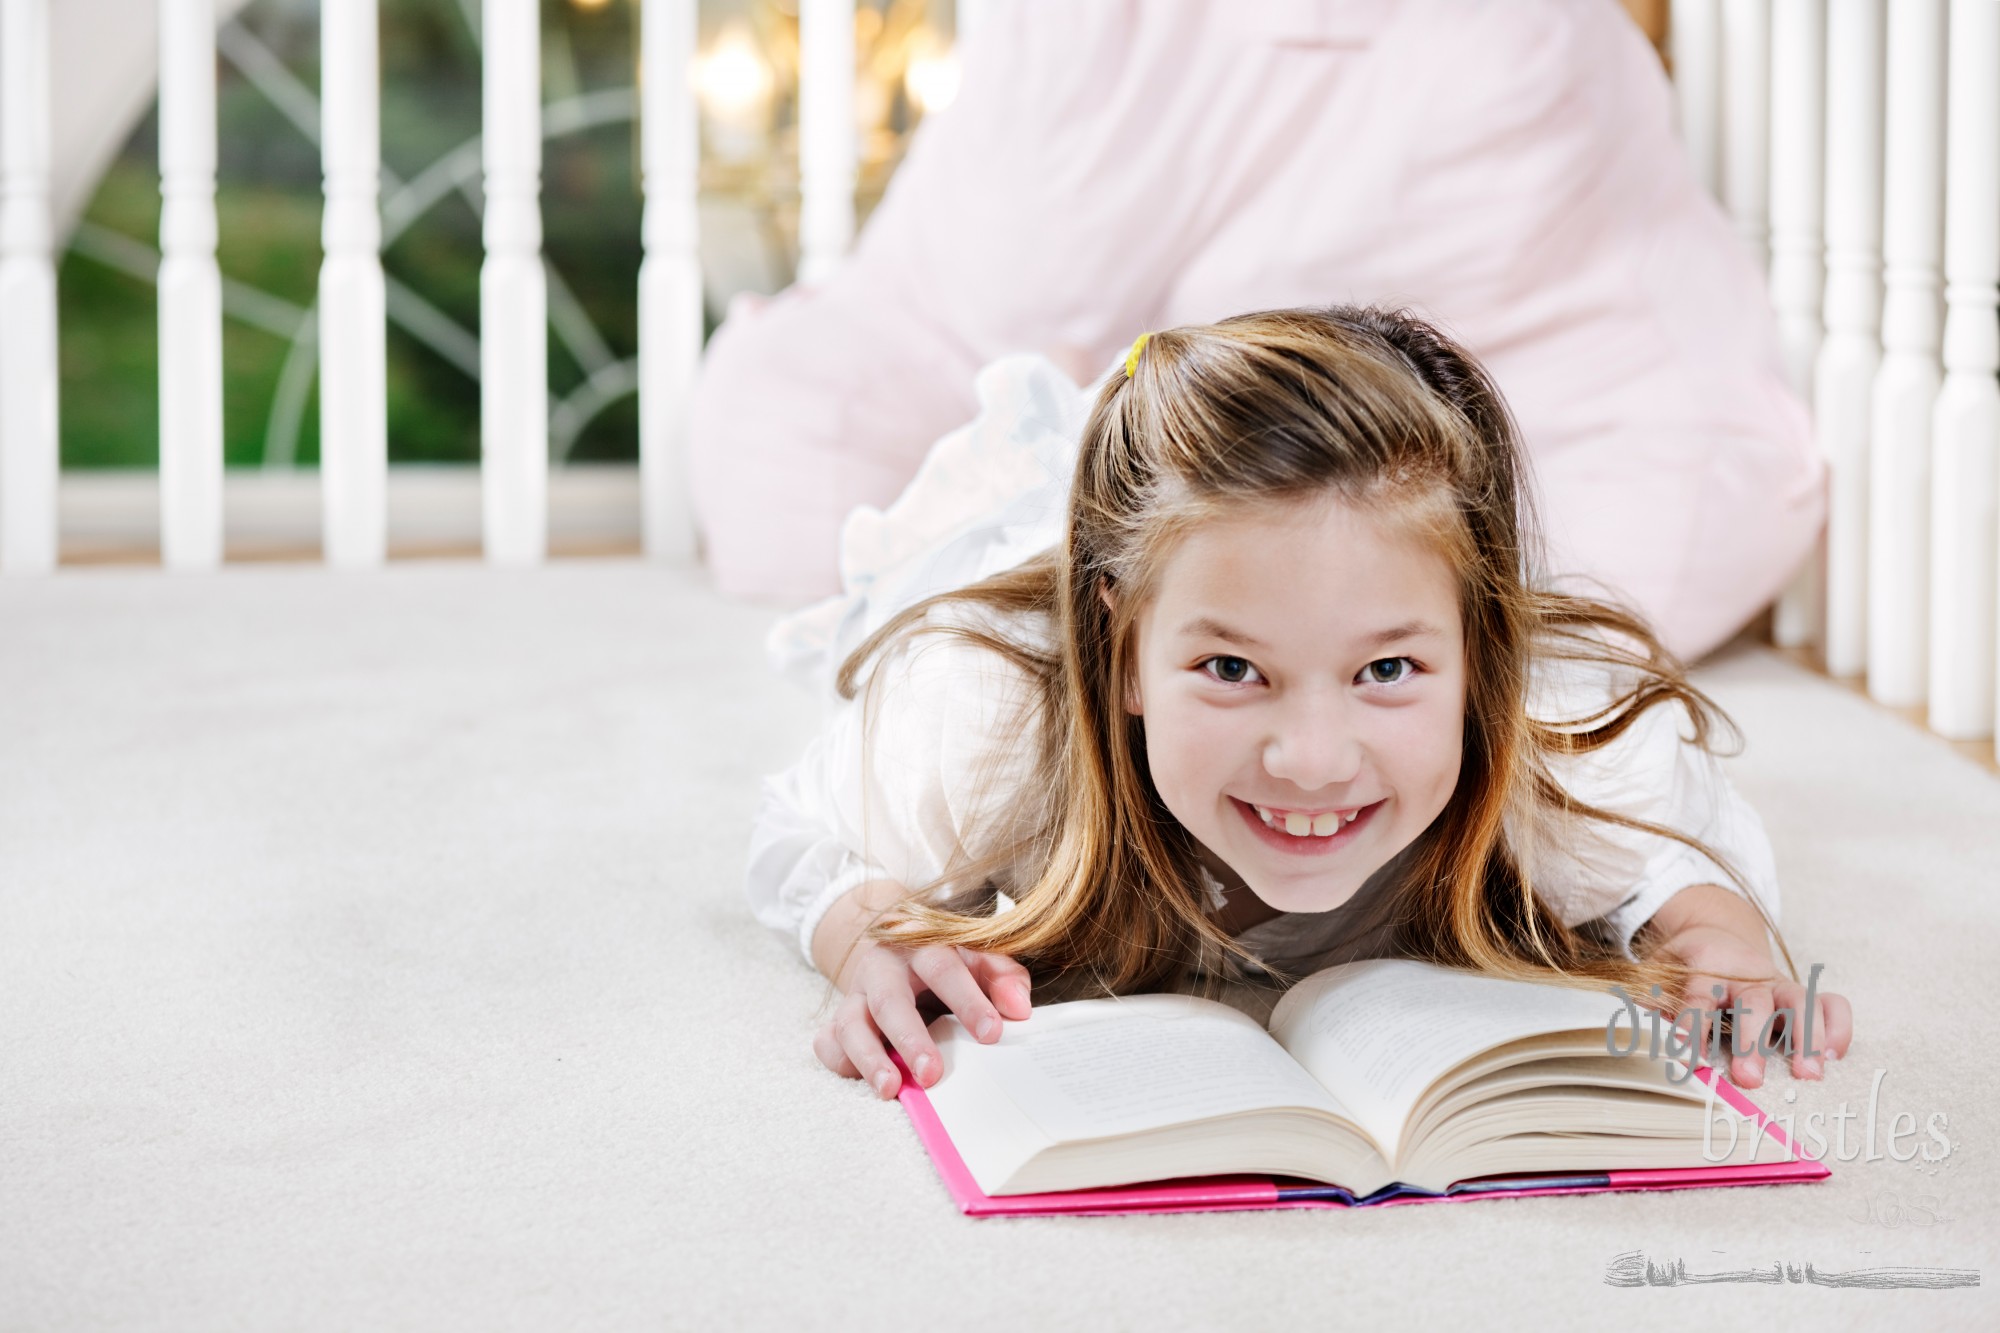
(1288, 690)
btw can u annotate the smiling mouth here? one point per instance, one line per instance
(1302, 824)
(1271, 826)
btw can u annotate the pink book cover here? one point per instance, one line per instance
(1228, 1193)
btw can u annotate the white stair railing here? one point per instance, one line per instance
(670, 291)
(28, 439)
(1798, 254)
(190, 287)
(1899, 472)
(1905, 588)
(1695, 32)
(353, 304)
(966, 18)
(827, 151)
(513, 292)
(513, 352)
(1844, 378)
(1746, 122)
(1965, 442)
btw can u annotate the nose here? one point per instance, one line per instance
(1314, 744)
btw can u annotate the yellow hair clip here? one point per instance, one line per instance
(1132, 357)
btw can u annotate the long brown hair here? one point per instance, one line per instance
(1382, 409)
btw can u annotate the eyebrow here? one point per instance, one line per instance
(1209, 627)
(1206, 627)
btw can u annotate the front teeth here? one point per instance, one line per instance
(1307, 826)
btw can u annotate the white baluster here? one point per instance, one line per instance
(1844, 380)
(1746, 121)
(1694, 36)
(1798, 159)
(28, 440)
(827, 152)
(1798, 266)
(1899, 481)
(670, 293)
(353, 328)
(966, 18)
(513, 293)
(190, 292)
(1965, 424)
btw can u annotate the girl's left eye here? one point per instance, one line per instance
(1375, 679)
(1232, 670)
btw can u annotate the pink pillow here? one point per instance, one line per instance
(1508, 171)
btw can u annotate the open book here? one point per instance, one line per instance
(1371, 1074)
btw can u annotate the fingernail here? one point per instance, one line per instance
(882, 1077)
(1021, 989)
(1812, 1069)
(988, 1026)
(924, 1067)
(1831, 1055)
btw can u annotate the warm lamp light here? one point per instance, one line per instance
(931, 78)
(733, 80)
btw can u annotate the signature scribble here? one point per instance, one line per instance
(1633, 1269)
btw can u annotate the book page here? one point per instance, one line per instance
(1091, 1068)
(1377, 1034)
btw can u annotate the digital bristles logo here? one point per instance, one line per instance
(1634, 1269)
(1681, 1045)
(1909, 1137)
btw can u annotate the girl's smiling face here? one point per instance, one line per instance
(1306, 658)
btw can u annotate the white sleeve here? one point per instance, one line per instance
(1586, 869)
(932, 758)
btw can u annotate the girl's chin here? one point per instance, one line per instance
(1298, 898)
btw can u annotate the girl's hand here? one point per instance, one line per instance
(1714, 932)
(882, 983)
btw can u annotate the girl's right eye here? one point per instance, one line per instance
(1231, 670)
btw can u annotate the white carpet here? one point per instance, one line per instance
(373, 955)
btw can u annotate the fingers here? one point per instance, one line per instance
(1833, 1029)
(945, 972)
(893, 1005)
(1822, 1035)
(1754, 1005)
(1810, 1039)
(826, 1045)
(850, 1046)
(1006, 981)
(1790, 996)
(882, 1008)
(1698, 1017)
